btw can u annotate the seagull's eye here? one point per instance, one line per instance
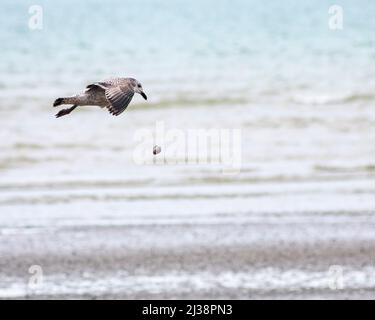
(139, 86)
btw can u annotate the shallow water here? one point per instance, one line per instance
(301, 95)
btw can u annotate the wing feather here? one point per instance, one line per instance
(119, 98)
(96, 86)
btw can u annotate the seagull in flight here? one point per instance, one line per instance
(114, 94)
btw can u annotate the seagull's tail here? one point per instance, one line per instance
(58, 102)
(67, 100)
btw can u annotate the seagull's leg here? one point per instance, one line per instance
(64, 112)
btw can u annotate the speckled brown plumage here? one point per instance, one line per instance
(114, 94)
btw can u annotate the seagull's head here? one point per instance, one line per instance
(138, 89)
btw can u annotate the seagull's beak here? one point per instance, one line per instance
(143, 95)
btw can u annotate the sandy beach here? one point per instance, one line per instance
(275, 259)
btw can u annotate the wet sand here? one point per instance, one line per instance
(264, 260)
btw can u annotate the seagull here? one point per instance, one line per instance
(114, 94)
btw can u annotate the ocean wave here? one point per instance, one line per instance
(246, 98)
(368, 168)
(192, 101)
(319, 99)
(204, 99)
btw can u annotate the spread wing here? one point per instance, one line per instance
(119, 98)
(96, 86)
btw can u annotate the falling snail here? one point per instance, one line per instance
(156, 150)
